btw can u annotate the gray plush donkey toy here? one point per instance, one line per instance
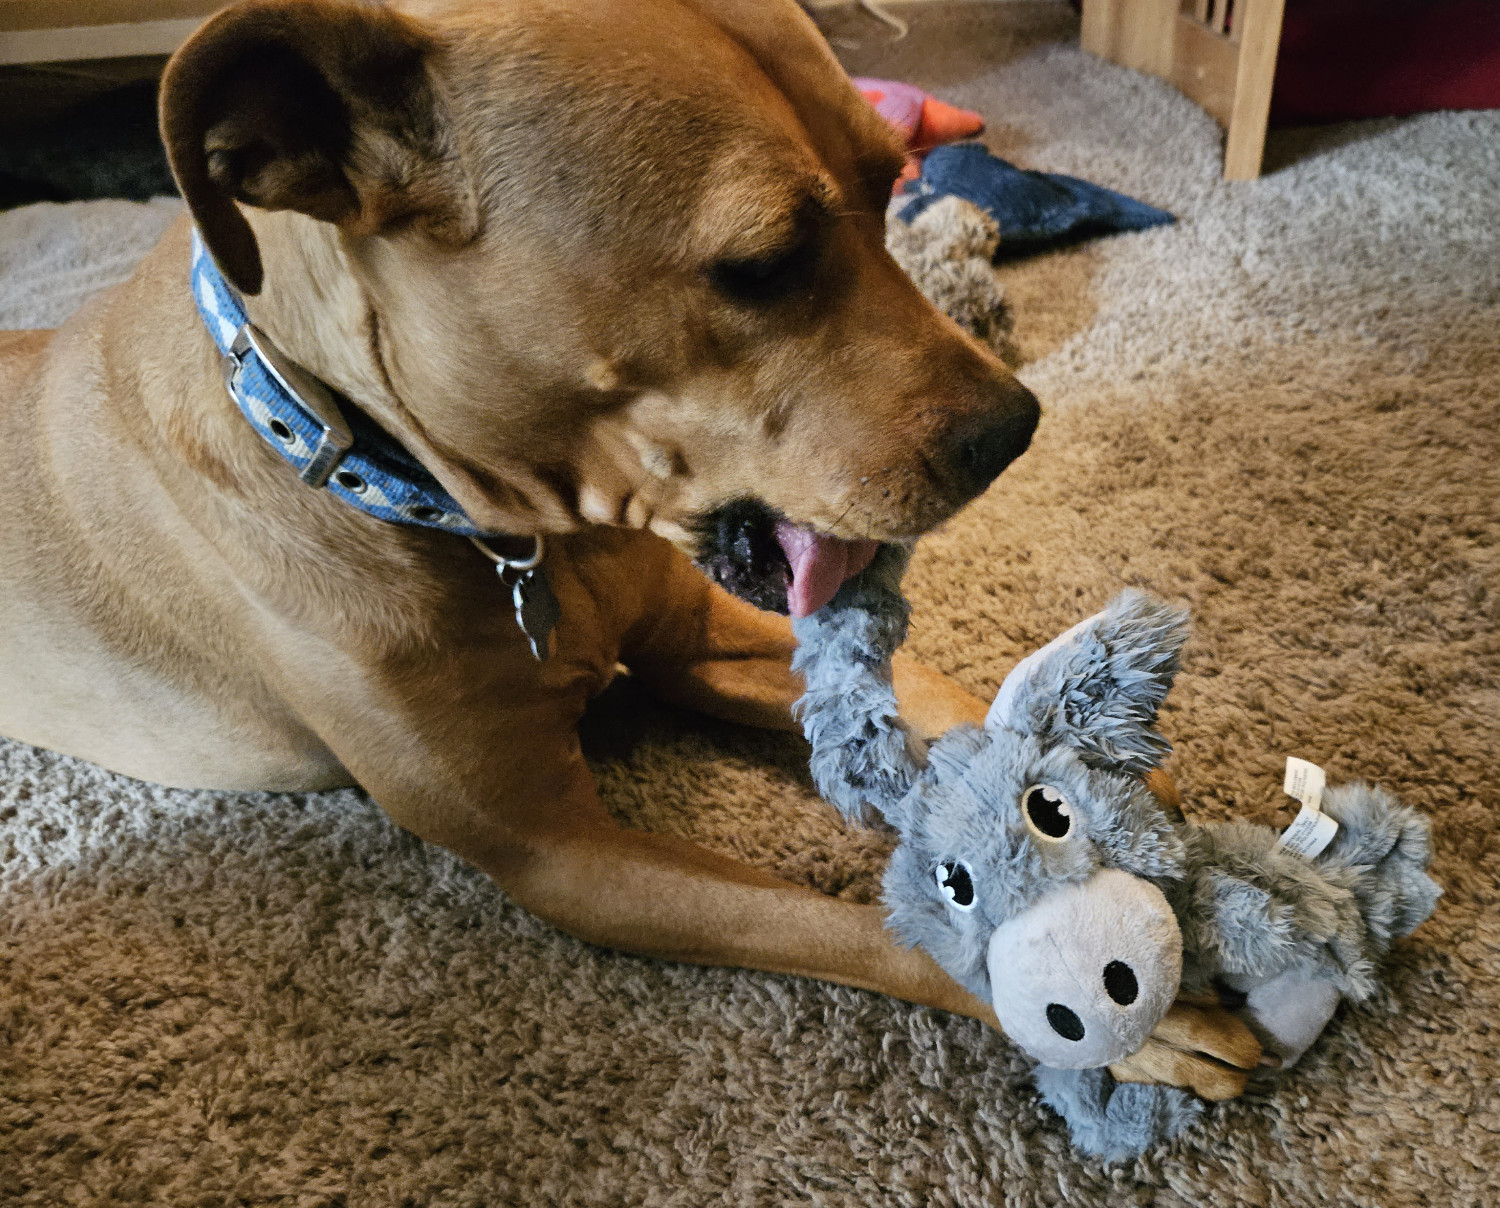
(1037, 870)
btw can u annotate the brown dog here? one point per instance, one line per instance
(612, 273)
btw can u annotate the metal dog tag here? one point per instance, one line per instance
(537, 610)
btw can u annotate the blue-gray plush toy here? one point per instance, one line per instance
(1033, 209)
(1035, 867)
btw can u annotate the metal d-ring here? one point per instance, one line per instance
(504, 564)
(537, 609)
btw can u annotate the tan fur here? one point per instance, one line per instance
(491, 225)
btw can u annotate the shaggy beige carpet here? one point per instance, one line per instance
(1282, 411)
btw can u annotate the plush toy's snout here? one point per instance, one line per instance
(1081, 978)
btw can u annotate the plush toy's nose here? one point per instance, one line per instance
(1080, 978)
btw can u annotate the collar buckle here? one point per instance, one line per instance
(315, 400)
(302, 421)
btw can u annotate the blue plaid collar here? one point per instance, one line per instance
(300, 418)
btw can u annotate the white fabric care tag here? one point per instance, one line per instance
(1310, 831)
(1304, 781)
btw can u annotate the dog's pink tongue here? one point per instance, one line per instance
(819, 565)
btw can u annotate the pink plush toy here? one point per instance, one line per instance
(919, 117)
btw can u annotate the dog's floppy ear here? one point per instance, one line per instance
(847, 131)
(320, 106)
(1098, 687)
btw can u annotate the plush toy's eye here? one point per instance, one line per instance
(1048, 813)
(956, 883)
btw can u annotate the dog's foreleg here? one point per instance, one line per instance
(657, 895)
(547, 840)
(661, 896)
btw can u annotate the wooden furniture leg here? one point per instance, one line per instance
(1221, 53)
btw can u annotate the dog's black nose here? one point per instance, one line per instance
(979, 452)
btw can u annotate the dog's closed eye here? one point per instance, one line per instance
(775, 266)
(769, 277)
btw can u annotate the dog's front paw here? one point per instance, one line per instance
(1199, 1047)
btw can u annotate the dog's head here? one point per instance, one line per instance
(621, 264)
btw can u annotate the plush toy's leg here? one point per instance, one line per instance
(1115, 1121)
(714, 653)
(1286, 1012)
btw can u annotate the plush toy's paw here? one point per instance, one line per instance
(1204, 1049)
(863, 757)
(1287, 1012)
(1389, 846)
(1113, 1120)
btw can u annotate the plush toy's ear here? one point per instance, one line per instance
(320, 106)
(1098, 687)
